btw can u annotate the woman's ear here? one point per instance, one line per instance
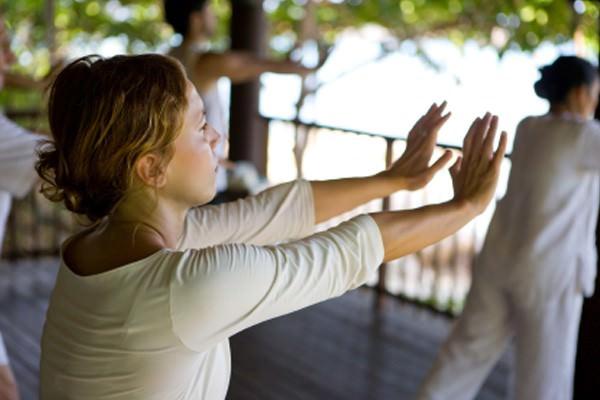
(150, 170)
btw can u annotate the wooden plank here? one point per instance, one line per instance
(340, 349)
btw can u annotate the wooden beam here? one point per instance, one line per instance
(247, 132)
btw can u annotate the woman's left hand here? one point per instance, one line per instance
(412, 170)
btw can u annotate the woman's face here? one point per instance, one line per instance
(191, 173)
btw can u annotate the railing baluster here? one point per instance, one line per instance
(385, 206)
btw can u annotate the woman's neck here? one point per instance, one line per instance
(161, 221)
(567, 109)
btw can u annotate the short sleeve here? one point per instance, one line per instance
(277, 214)
(219, 291)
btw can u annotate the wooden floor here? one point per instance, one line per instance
(340, 349)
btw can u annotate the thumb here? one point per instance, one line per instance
(455, 168)
(441, 162)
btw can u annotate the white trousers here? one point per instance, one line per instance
(545, 345)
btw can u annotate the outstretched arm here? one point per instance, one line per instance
(252, 284)
(240, 67)
(290, 211)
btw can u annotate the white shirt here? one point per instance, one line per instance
(158, 328)
(542, 236)
(17, 175)
(17, 158)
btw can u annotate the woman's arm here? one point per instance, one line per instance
(290, 211)
(240, 67)
(219, 291)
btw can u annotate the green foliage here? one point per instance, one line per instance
(505, 24)
(81, 26)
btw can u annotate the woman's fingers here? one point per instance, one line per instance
(440, 162)
(455, 168)
(436, 125)
(468, 141)
(421, 122)
(500, 152)
(478, 139)
(487, 150)
(428, 126)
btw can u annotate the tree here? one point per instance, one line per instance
(525, 23)
(83, 26)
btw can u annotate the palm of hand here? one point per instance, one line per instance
(412, 168)
(475, 174)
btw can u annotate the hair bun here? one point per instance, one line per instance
(564, 74)
(547, 86)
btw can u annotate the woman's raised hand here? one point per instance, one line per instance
(412, 170)
(475, 174)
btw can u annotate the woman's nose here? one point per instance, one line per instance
(214, 136)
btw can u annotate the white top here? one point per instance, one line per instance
(542, 236)
(158, 328)
(17, 158)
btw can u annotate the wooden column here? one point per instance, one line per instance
(248, 133)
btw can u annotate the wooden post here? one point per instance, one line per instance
(385, 206)
(247, 132)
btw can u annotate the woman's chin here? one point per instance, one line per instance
(207, 197)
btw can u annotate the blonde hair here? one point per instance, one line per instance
(104, 115)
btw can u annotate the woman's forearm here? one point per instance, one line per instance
(404, 232)
(335, 197)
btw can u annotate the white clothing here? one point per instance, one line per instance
(17, 175)
(158, 328)
(17, 158)
(538, 260)
(545, 345)
(543, 234)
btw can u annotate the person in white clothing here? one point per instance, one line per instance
(17, 176)
(539, 256)
(195, 21)
(147, 297)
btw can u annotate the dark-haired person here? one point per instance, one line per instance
(17, 176)
(147, 297)
(195, 21)
(539, 256)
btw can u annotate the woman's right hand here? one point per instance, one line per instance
(475, 174)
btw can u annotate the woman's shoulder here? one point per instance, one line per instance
(558, 122)
(97, 250)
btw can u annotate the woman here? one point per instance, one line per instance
(17, 176)
(196, 22)
(539, 257)
(147, 297)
